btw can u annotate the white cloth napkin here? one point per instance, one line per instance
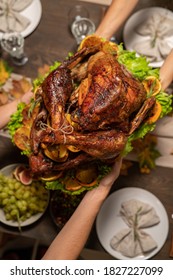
(154, 30)
(10, 17)
(133, 240)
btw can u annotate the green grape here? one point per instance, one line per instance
(14, 213)
(20, 202)
(12, 199)
(5, 201)
(4, 195)
(26, 194)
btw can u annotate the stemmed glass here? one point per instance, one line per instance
(79, 23)
(13, 43)
(81, 28)
(76, 12)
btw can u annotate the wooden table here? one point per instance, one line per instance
(52, 41)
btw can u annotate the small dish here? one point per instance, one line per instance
(7, 171)
(108, 220)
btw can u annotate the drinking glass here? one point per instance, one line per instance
(77, 12)
(13, 43)
(82, 27)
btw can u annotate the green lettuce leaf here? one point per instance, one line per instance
(137, 65)
(16, 119)
(103, 170)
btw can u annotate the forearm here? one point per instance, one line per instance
(72, 238)
(6, 111)
(166, 71)
(115, 16)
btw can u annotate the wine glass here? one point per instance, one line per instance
(13, 43)
(82, 27)
(77, 12)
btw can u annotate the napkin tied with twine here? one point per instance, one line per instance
(133, 241)
(154, 30)
(10, 17)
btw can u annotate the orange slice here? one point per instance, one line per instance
(52, 177)
(110, 47)
(73, 149)
(57, 153)
(90, 40)
(87, 176)
(71, 184)
(68, 118)
(152, 85)
(22, 138)
(155, 113)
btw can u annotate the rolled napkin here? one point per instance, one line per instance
(134, 241)
(154, 30)
(10, 17)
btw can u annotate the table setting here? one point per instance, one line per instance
(151, 191)
(148, 32)
(132, 224)
(20, 16)
(18, 20)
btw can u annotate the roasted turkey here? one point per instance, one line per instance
(84, 111)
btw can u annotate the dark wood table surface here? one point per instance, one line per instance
(49, 42)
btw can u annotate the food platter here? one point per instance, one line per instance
(33, 12)
(132, 38)
(7, 171)
(108, 220)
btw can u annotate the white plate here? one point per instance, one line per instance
(7, 171)
(33, 12)
(109, 222)
(130, 37)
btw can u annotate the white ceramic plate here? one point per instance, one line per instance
(130, 37)
(109, 222)
(33, 12)
(7, 171)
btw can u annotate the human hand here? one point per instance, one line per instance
(110, 178)
(27, 97)
(106, 183)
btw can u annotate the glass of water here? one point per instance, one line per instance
(82, 27)
(76, 12)
(13, 43)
